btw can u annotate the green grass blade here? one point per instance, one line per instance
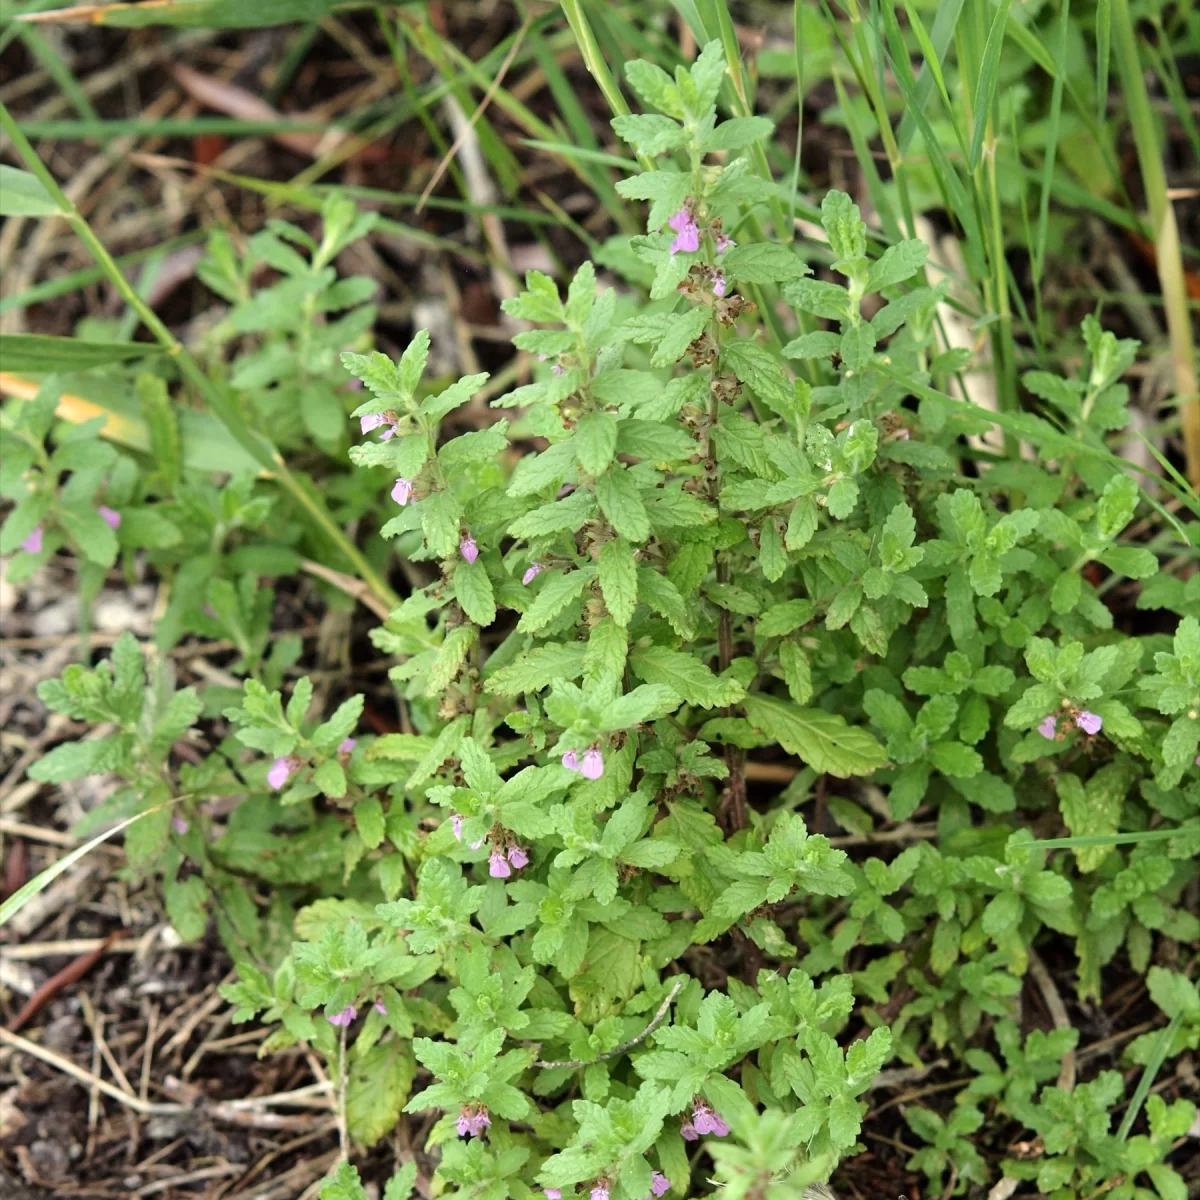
(1164, 231)
(40, 352)
(41, 881)
(1105, 839)
(1103, 50)
(933, 47)
(989, 77)
(1153, 1065)
(39, 293)
(1055, 120)
(102, 130)
(51, 62)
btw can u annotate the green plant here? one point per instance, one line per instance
(510, 912)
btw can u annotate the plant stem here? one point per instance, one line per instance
(221, 405)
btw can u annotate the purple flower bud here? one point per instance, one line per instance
(347, 745)
(687, 232)
(482, 1121)
(518, 857)
(380, 1008)
(498, 867)
(570, 760)
(112, 518)
(724, 243)
(1198, 760)
(33, 543)
(281, 771)
(463, 1124)
(456, 825)
(476, 845)
(600, 1191)
(345, 1017)
(558, 369)
(718, 281)
(1048, 727)
(179, 825)
(592, 766)
(1089, 722)
(469, 550)
(688, 1132)
(532, 572)
(552, 1193)
(660, 1185)
(402, 492)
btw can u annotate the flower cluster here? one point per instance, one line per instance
(704, 1120)
(473, 1119)
(590, 766)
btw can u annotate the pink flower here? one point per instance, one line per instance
(552, 1193)
(347, 745)
(592, 766)
(1198, 760)
(1048, 727)
(724, 243)
(402, 492)
(282, 769)
(570, 760)
(472, 1120)
(380, 1008)
(376, 420)
(532, 572)
(345, 1017)
(112, 518)
(718, 281)
(686, 230)
(706, 1120)
(660, 1185)
(518, 857)
(468, 549)
(1089, 722)
(600, 1191)
(688, 1132)
(498, 867)
(179, 825)
(556, 369)
(33, 543)
(456, 825)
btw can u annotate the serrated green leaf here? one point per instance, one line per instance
(473, 591)
(618, 579)
(822, 739)
(686, 675)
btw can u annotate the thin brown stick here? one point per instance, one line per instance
(67, 1067)
(448, 158)
(1058, 1014)
(655, 1022)
(70, 974)
(348, 584)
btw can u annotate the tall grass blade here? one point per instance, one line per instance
(989, 76)
(41, 881)
(1164, 232)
